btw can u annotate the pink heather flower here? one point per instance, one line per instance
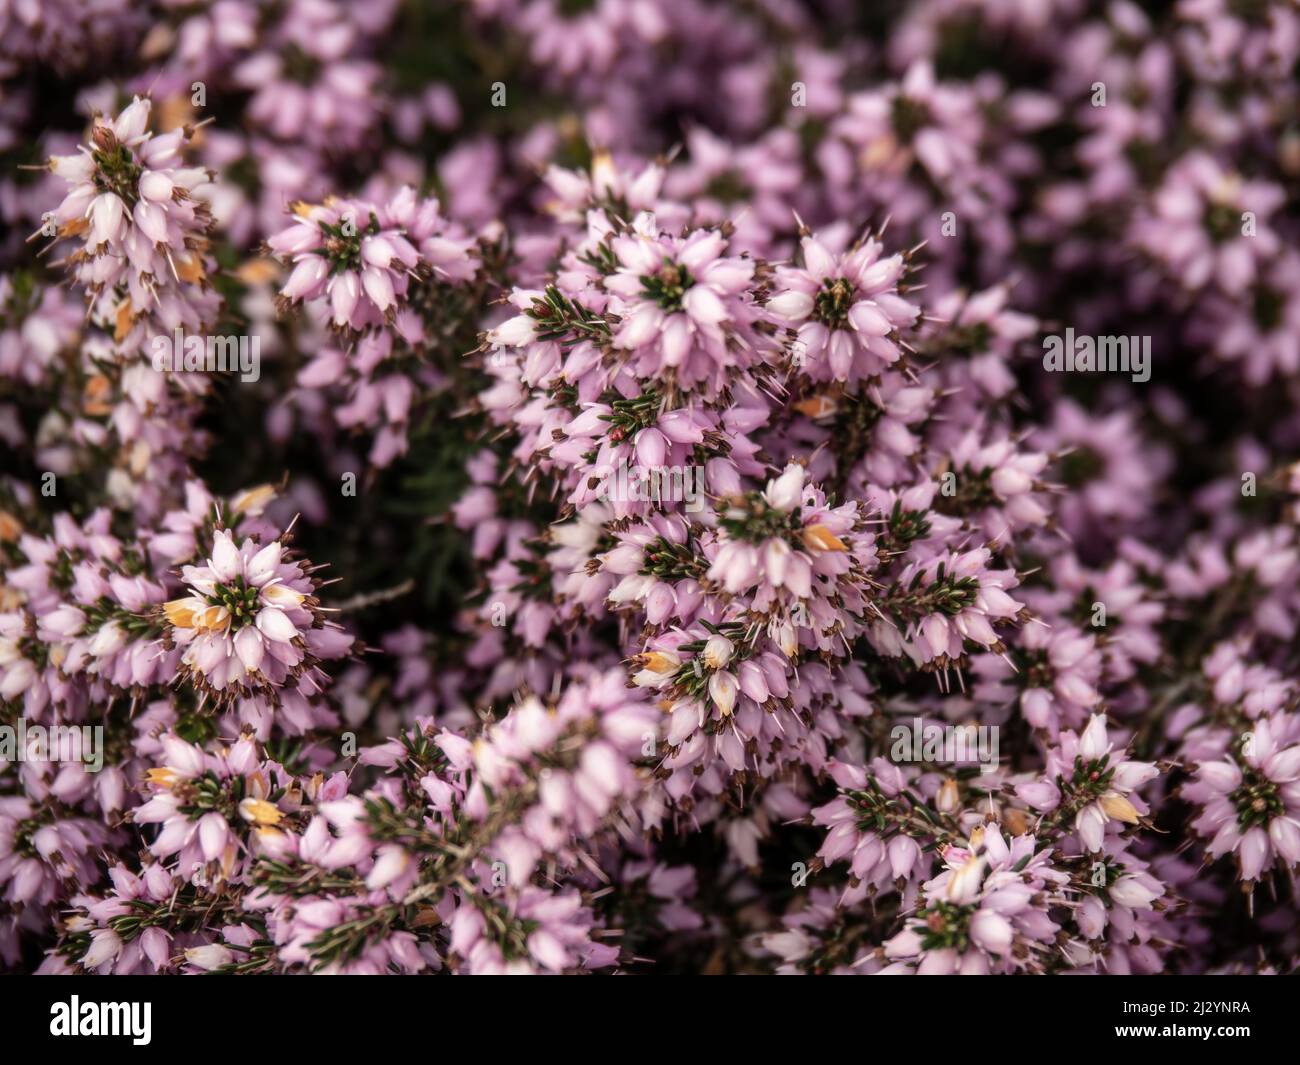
(1220, 41)
(1250, 799)
(987, 912)
(679, 301)
(560, 939)
(142, 225)
(1209, 226)
(34, 332)
(41, 852)
(606, 183)
(1131, 614)
(363, 258)
(775, 543)
(251, 620)
(882, 853)
(1259, 333)
(1057, 670)
(580, 786)
(211, 808)
(348, 251)
(996, 485)
(1094, 784)
(653, 569)
(573, 685)
(573, 41)
(1117, 913)
(1108, 473)
(845, 309)
(941, 605)
(308, 82)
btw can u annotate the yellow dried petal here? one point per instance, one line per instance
(658, 662)
(189, 268)
(94, 397)
(180, 612)
(212, 619)
(1015, 821)
(816, 406)
(158, 42)
(260, 812)
(252, 500)
(161, 777)
(820, 538)
(258, 271)
(123, 321)
(1115, 805)
(175, 112)
(10, 527)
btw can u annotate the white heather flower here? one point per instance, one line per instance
(786, 492)
(722, 690)
(145, 231)
(104, 947)
(391, 862)
(1131, 892)
(250, 622)
(717, 652)
(210, 956)
(1103, 781)
(658, 669)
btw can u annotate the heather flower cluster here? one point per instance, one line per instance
(656, 540)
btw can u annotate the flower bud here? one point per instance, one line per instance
(1115, 805)
(718, 652)
(722, 689)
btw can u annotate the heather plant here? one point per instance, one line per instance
(657, 411)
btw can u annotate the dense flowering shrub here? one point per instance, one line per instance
(513, 486)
